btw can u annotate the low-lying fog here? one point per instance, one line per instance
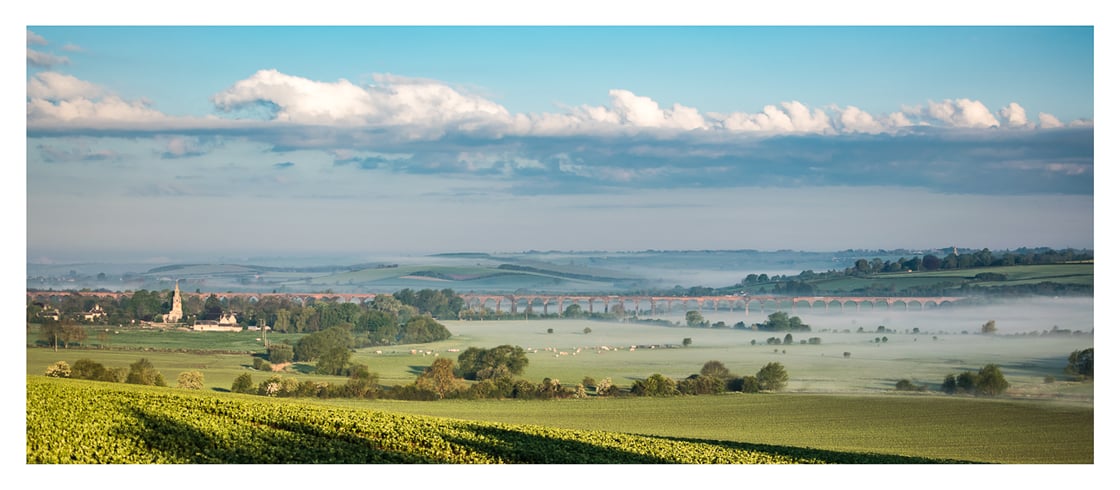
(1011, 317)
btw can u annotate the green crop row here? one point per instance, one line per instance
(75, 421)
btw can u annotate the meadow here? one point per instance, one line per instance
(833, 402)
(84, 422)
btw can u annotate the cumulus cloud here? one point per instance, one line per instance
(53, 86)
(390, 101)
(1047, 121)
(40, 59)
(961, 113)
(297, 111)
(35, 39)
(1015, 116)
(45, 60)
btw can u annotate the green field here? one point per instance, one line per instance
(84, 422)
(832, 402)
(1079, 274)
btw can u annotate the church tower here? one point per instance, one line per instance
(176, 313)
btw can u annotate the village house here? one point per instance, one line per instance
(227, 323)
(94, 314)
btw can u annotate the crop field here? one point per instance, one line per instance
(71, 421)
(917, 425)
(1081, 274)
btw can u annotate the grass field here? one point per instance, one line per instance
(115, 423)
(929, 426)
(73, 421)
(833, 402)
(1080, 274)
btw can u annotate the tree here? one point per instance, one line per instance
(311, 347)
(990, 382)
(715, 369)
(966, 382)
(439, 377)
(334, 361)
(949, 385)
(572, 311)
(243, 384)
(142, 372)
(60, 369)
(504, 360)
(750, 385)
(51, 331)
(687, 341)
(362, 383)
(280, 353)
(788, 339)
(1081, 363)
(699, 384)
(212, 309)
(423, 329)
(989, 327)
(693, 318)
(772, 377)
(655, 385)
(191, 380)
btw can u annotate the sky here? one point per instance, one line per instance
(172, 143)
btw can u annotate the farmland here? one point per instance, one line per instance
(73, 421)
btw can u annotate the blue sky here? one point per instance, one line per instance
(174, 142)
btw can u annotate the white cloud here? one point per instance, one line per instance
(392, 100)
(55, 86)
(45, 60)
(1015, 116)
(35, 39)
(1047, 121)
(57, 97)
(414, 108)
(962, 113)
(854, 120)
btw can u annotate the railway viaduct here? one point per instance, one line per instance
(477, 302)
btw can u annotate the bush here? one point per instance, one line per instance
(772, 377)
(142, 372)
(1081, 363)
(907, 385)
(699, 384)
(750, 385)
(190, 380)
(243, 384)
(655, 385)
(990, 382)
(60, 369)
(280, 353)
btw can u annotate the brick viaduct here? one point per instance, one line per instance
(529, 302)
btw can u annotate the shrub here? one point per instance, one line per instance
(750, 385)
(280, 353)
(655, 385)
(907, 385)
(142, 372)
(991, 382)
(243, 384)
(772, 377)
(950, 384)
(1081, 363)
(60, 369)
(191, 380)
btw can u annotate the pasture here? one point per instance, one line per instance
(568, 354)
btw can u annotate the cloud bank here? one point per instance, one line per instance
(952, 145)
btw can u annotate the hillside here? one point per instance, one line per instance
(85, 422)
